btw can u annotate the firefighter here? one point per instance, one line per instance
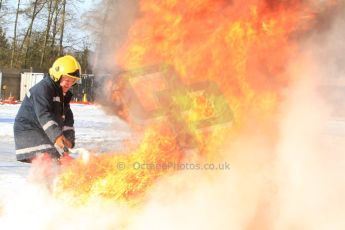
(43, 127)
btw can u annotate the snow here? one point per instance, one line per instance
(95, 130)
(307, 173)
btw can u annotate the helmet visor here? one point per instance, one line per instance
(75, 74)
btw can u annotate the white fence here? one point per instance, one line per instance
(0, 85)
(28, 80)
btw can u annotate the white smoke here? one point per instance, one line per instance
(310, 154)
(112, 22)
(295, 184)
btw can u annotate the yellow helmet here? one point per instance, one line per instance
(66, 66)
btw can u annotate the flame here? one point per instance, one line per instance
(243, 48)
(121, 177)
(240, 47)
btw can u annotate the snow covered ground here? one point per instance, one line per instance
(95, 130)
(307, 178)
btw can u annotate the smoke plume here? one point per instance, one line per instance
(288, 178)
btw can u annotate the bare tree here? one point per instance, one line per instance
(50, 17)
(37, 6)
(45, 33)
(14, 43)
(2, 10)
(55, 30)
(33, 16)
(1, 4)
(62, 27)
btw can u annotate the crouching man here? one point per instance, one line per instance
(43, 127)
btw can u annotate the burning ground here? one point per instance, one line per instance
(215, 82)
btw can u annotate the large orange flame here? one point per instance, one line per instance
(241, 47)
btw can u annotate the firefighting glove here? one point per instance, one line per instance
(62, 142)
(69, 135)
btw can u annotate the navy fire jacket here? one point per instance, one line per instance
(44, 115)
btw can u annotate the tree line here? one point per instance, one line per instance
(33, 34)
